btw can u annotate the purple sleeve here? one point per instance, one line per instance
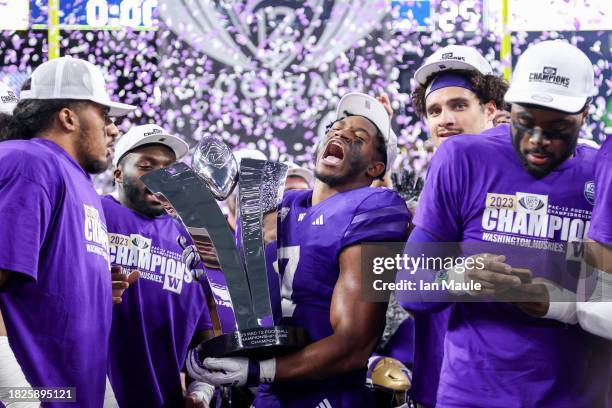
(204, 323)
(381, 217)
(438, 211)
(601, 223)
(25, 214)
(418, 235)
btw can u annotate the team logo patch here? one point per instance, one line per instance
(589, 192)
(153, 132)
(449, 56)
(549, 75)
(140, 242)
(532, 203)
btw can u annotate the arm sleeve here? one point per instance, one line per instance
(25, 214)
(601, 222)
(204, 322)
(410, 300)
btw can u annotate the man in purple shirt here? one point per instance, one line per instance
(165, 311)
(524, 185)
(55, 288)
(457, 93)
(319, 250)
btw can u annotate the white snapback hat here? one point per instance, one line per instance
(148, 134)
(360, 104)
(552, 74)
(72, 78)
(297, 171)
(8, 99)
(453, 57)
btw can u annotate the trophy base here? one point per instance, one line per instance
(259, 343)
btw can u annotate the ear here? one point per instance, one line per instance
(376, 169)
(584, 114)
(118, 174)
(490, 109)
(68, 120)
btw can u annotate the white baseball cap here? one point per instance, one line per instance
(453, 57)
(360, 104)
(297, 171)
(72, 78)
(552, 74)
(8, 99)
(148, 134)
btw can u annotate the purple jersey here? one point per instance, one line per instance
(310, 240)
(495, 355)
(601, 224)
(159, 314)
(57, 304)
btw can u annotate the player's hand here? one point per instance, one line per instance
(191, 258)
(491, 273)
(121, 281)
(384, 99)
(230, 371)
(199, 395)
(532, 298)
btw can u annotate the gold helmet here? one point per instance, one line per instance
(389, 378)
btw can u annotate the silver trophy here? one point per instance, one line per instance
(193, 193)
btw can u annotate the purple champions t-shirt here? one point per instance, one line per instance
(57, 304)
(159, 314)
(495, 355)
(310, 240)
(601, 224)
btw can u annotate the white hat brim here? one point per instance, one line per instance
(563, 103)
(117, 108)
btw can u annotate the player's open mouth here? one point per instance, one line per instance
(110, 149)
(333, 154)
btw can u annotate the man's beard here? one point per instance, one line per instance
(136, 198)
(91, 164)
(355, 167)
(541, 172)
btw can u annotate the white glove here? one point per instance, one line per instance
(230, 371)
(191, 258)
(201, 390)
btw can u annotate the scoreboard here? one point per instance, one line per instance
(97, 14)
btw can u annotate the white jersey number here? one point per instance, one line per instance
(292, 255)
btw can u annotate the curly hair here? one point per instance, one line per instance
(32, 116)
(486, 87)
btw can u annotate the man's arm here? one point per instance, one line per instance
(595, 313)
(356, 328)
(357, 325)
